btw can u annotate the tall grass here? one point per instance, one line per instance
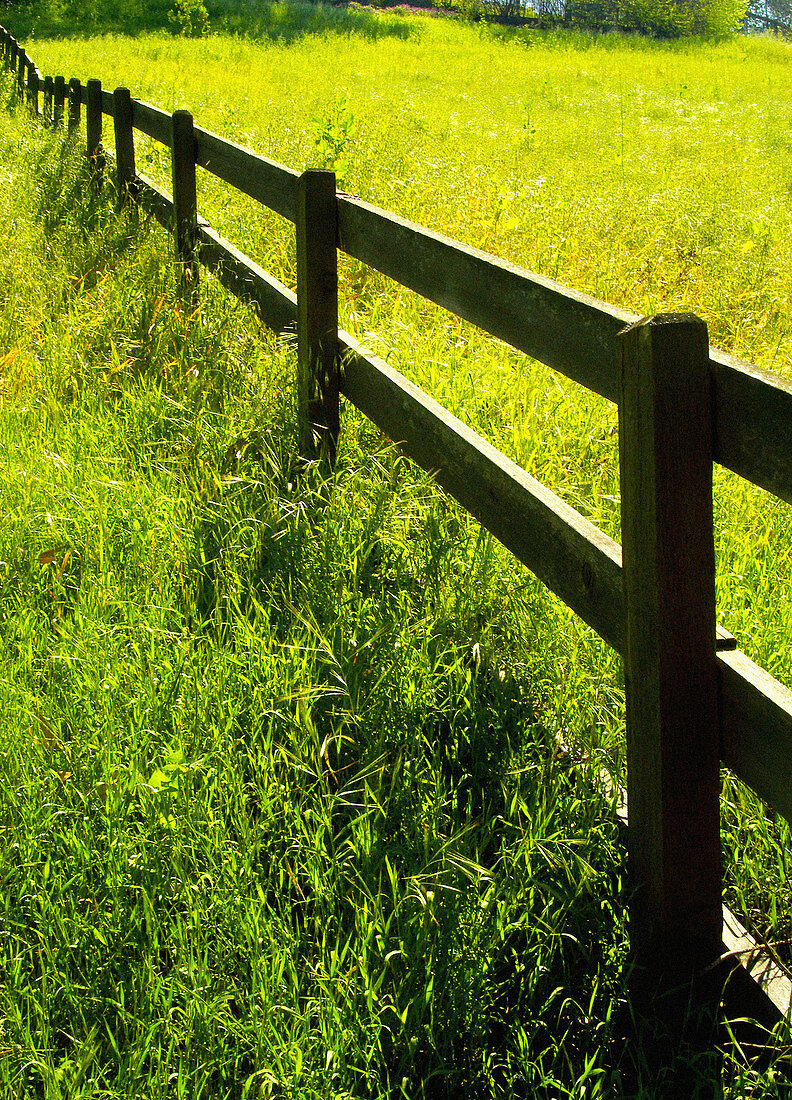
(286, 806)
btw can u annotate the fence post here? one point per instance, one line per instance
(124, 144)
(75, 104)
(47, 105)
(22, 60)
(58, 99)
(317, 313)
(34, 83)
(93, 128)
(185, 201)
(673, 781)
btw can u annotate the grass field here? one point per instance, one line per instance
(284, 804)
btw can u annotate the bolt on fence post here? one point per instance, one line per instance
(185, 200)
(316, 225)
(93, 128)
(673, 725)
(75, 104)
(124, 144)
(47, 105)
(58, 99)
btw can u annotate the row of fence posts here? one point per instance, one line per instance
(665, 443)
(317, 269)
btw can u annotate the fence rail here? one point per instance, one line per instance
(693, 699)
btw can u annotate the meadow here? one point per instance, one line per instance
(300, 776)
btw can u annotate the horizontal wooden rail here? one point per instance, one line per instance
(569, 331)
(756, 729)
(152, 121)
(265, 180)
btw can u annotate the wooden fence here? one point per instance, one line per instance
(693, 699)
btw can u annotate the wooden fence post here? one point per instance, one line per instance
(48, 95)
(673, 780)
(58, 99)
(93, 128)
(34, 84)
(13, 56)
(22, 60)
(75, 104)
(185, 200)
(317, 313)
(124, 144)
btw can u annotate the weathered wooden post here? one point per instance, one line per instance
(34, 85)
(58, 100)
(75, 104)
(317, 313)
(124, 144)
(185, 200)
(48, 96)
(93, 128)
(673, 783)
(22, 63)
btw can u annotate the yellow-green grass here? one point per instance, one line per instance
(657, 177)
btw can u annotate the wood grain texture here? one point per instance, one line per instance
(152, 121)
(265, 180)
(317, 314)
(275, 304)
(671, 684)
